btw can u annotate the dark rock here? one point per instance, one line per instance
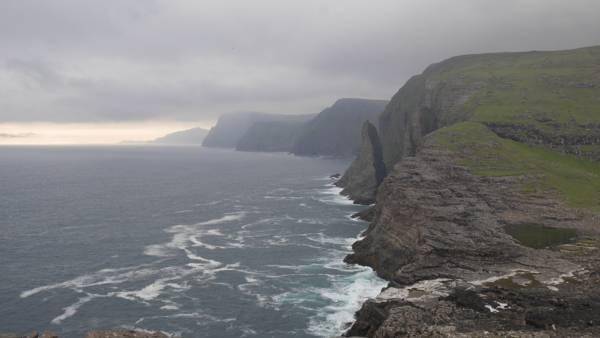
(336, 130)
(364, 175)
(468, 299)
(367, 215)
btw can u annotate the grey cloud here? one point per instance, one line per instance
(89, 60)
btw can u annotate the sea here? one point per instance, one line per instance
(190, 241)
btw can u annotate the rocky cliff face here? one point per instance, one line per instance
(481, 224)
(536, 98)
(361, 180)
(336, 130)
(440, 237)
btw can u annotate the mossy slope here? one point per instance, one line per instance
(575, 179)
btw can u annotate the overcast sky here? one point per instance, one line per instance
(181, 61)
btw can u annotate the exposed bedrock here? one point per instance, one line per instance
(434, 219)
(438, 235)
(361, 180)
(554, 136)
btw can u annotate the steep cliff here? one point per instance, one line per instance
(361, 180)
(550, 99)
(336, 130)
(270, 136)
(490, 209)
(232, 128)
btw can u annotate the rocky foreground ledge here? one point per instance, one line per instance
(118, 333)
(470, 256)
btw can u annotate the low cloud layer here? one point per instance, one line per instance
(131, 60)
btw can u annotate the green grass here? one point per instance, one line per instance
(556, 92)
(574, 179)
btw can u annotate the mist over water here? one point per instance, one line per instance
(196, 242)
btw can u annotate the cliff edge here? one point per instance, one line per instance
(488, 221)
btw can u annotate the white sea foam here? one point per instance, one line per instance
(101, 277)
(185, 236)
(345, 298)
(170, 307)
(332, 195)
(72, 309)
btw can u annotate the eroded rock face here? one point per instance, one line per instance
(434, 219)
(555, 136)
(438, 236)
(421, 106)
(361, 180)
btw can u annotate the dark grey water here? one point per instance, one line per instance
(198, 242)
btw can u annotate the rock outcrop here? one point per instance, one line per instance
(361, 180)
(336, 130)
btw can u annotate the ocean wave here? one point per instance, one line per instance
(345, 298)
(101, 277)
(185, 236)
(332, 195)
(72, 309)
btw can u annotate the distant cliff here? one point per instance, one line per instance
(336, 130)
(272, 136)
(230, 128)
(194, 136)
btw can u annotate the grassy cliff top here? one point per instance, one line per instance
(549, 106)
(555, 92)
(575, 179)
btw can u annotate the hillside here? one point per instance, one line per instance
(336, 130)
(492, 197)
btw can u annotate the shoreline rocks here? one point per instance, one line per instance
(115, 333)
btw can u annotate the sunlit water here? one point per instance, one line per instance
(190, 241)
